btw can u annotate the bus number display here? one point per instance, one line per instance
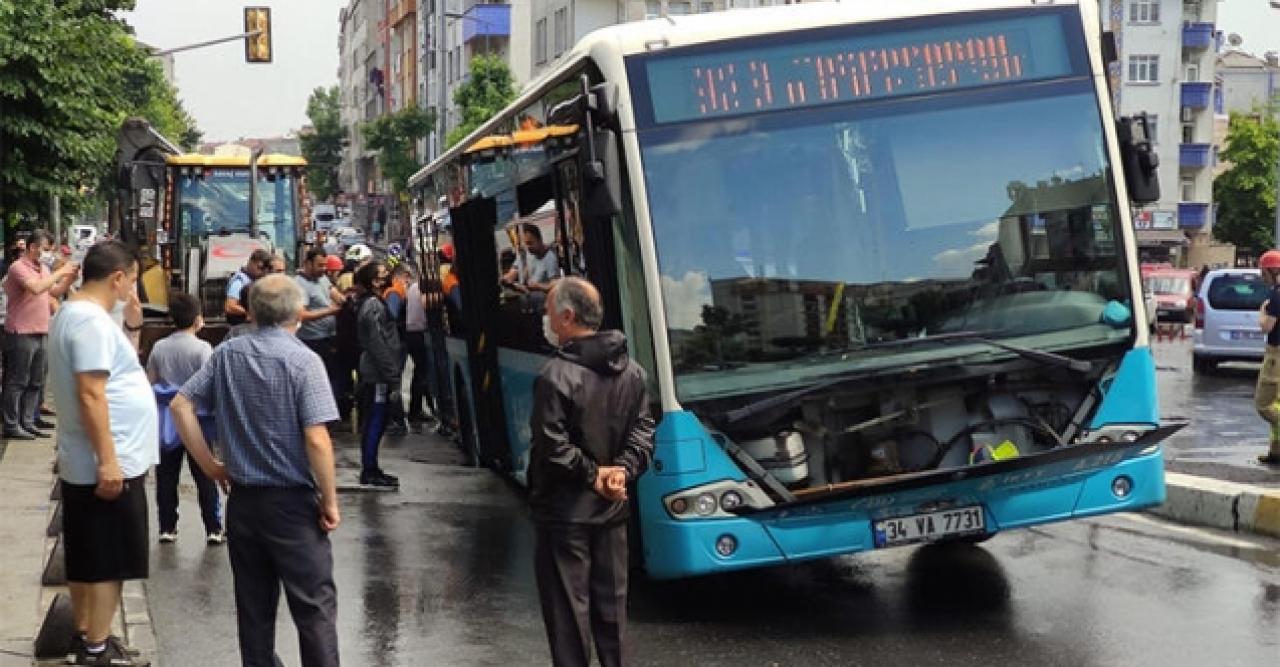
(834, 71)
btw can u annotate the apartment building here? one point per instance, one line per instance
(1167, 63)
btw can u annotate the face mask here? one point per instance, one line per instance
(551, 336)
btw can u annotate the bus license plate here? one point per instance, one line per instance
(929, 526)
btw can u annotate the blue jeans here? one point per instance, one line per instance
(373, 423)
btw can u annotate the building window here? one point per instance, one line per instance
(1188, 133)
(1153, 128)
(1144, 11)
(679, 7)
(1144, 69)
(448, 68)
(540, 41)
(1188, 189)
(705, 7)
(457, 62)
(652, 9)
(562, 31)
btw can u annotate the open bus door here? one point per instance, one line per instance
(477, 269)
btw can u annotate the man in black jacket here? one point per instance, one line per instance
(592, 437)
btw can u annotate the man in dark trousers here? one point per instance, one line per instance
(592, 437)
(271, 398)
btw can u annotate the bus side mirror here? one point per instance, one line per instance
(602, 177)
(1138, 159)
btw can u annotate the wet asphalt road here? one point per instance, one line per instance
(440, 574)
(1225, 434)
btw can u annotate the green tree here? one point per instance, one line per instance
(489, 89)
(393, 136)
(1246, 193)
(322, 145)
(150, 96)
(70, 73)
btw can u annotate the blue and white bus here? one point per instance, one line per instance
(876, 257)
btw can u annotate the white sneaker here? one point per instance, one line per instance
(214, 539)
(168, 538)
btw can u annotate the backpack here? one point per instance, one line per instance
(347, 338)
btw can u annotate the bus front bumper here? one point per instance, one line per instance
(1057, 491)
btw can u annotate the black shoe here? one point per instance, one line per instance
(1269, 459)
(35, 431)
(17, 434)
(40, 423)
(397, 429)
(115, 654)
(379, 478)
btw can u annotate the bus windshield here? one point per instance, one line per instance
(788, 235)
(217, 202)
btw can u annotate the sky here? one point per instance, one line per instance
(231, 99)
(1254, 20)
(228, 97)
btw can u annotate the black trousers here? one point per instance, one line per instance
(420, 403)
(274, 539)
(327, 348)
(167, 474)
(582, 585)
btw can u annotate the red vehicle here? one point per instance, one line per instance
(1174, 292)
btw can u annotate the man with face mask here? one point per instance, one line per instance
(30, 288)
(107, 435)
(592, 437)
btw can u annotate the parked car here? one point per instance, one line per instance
(1226, 320)
(1174, 293)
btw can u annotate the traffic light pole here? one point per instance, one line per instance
(212, 42)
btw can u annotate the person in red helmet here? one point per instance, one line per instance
(333, 267)
(1267, 395)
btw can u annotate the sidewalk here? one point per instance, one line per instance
(26, 476)
(26, 479)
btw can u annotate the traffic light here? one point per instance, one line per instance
(257, 47)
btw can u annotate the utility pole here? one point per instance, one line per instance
(55, 218)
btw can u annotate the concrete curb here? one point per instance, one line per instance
(1242, 508)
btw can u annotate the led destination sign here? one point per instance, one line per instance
(869, 66)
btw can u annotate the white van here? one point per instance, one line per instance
(1226, 326)
(322, 216)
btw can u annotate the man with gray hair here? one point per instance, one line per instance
(271, 398)
(592, 437)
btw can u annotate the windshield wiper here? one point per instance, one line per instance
(1047, 358)
(779, 400)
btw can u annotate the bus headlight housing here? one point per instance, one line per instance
(717, 500)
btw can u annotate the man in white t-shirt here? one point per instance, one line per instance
(107, 439)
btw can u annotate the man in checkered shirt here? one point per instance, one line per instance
(271, 399)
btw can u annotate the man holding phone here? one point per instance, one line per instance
(592, 437)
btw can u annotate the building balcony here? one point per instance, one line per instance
(401, 11)
(1194, 215)
(1197, 35)
(1197, 94)
(1195, 156)
(485, 22)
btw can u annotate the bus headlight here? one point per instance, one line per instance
(1122, 486)
(704, 504)
(730, 500)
